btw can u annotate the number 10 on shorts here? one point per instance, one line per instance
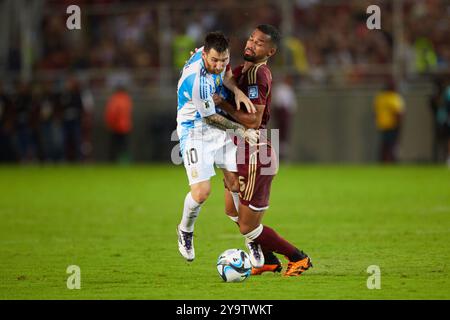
(191, 156)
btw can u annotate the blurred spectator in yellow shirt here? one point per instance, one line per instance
(389, 109)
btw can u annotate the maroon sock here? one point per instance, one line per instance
(271, 241)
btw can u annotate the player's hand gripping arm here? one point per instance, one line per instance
(249, 120)
(239, 96)
(223, 123)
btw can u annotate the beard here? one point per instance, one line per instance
(249, 58)
(212, 70)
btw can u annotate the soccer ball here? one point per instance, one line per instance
(234, 265)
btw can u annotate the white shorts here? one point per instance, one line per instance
(202, 151)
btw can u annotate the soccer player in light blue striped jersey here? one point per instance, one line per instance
(203, 141)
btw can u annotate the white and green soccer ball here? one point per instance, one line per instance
(234, 265)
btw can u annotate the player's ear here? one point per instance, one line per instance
(272, 51)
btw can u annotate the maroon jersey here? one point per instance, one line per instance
(257, 165)
(256, 83)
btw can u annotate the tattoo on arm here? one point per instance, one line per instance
(223, 123)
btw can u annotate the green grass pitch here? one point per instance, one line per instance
(118, 225)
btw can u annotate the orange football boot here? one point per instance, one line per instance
(297, 268)
(266, 268)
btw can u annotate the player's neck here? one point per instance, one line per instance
(205, 65)
(248, 64)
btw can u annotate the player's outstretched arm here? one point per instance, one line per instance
(239, 96)
(223, 123)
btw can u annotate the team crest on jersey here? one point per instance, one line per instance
(253, 92)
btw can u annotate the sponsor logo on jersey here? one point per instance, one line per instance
(206, 104)
(253, 92)
(194, 173)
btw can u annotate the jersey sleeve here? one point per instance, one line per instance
(202, 97)
(259, 85)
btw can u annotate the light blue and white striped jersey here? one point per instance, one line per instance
(195, 90)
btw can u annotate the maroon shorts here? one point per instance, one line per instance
(255, 175)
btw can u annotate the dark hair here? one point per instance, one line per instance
(216, 40)
(272, 32)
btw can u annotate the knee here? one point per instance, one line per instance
(201, 194)
(234, 186)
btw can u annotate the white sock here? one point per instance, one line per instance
(252, 235)
(190, 213)
(236, 201)
(235, 219)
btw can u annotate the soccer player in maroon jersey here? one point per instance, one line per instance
(256, 173)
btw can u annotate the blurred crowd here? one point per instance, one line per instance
(322, 36)
(45, 122)
(135, 43)
(337, 36)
